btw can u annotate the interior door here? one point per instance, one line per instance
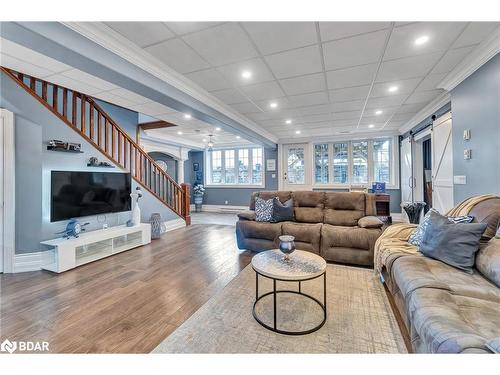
(407, 179)
(295, 171)
(442, 164)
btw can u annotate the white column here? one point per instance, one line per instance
(180, 171)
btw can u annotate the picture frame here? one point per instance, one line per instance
(196, 167)
(271, 165)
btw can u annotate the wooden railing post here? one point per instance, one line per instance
(186, 203)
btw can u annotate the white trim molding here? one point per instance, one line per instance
(31, 261)
(220, 208)
(477, 58)
(425, 112)
(174, 224)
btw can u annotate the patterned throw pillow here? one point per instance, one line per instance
(418, 234)
(263, 209)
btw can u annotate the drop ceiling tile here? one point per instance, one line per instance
(408, 67)
(358, 50)
(247, 108)
(317, 118)
(411, 108)
(296, 62)
(404, 87)
(475, 33)
(353, 105)
(142, 33)
(209, 79)
(385, 101)
(349, 77)
(259, 70)
(230, 96)
(304, 100)
(349, 93)
(177, 54)
(23, 66)
(181, 28)
(263, 91)
(451, 59)
(303, 84)
(151, 109)
(89, 79)
(130, 96)
(431, 81)
(272, 37)
(317, 109)
(337, 30)
(350, 115)
(441, 36)
(283, 107)
(402, 116)
(223, 44)
(423, 96)
(73, 84)
(109, 97)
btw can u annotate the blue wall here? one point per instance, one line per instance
(34, 127)
(475, 105)
(126, 118)
(233, 196)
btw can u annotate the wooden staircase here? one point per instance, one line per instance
(81, 113)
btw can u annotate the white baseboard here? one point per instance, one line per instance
(220, 208)
(174, 224)
(31, 261)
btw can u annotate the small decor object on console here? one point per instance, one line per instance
(287, 246)
(378, 187)
(136, 211)
(198, 193)
(413, 210)
(56, 145)
(93, 162)
(156, 225)
(73, 229)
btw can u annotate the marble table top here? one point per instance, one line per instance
(302, 265)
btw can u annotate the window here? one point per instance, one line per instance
(382, 161)
(243, 166)
(340, 162)
(295, 169)
(321, 163)
(359, 162)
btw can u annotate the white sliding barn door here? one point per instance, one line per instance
(407, 181)
(442, 164)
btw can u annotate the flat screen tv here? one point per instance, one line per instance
(77, 194)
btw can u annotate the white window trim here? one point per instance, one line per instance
(208, 169)
(394, 162)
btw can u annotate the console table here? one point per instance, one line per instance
(382, 204)
(68, 253)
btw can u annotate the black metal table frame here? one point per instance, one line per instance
(274, 292)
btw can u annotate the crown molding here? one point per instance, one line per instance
(109, 39)
(487, 49)
(425, 112)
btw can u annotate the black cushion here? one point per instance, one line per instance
(282, 211)
(453, 244)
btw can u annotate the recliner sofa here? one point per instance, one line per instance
(339, 226)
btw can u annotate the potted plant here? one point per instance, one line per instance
(198, 193)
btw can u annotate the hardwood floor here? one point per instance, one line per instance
(127, 303)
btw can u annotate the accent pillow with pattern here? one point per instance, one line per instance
(263, 209)
(417, 236)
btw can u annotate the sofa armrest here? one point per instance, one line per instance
(370, 222)
(247, 215)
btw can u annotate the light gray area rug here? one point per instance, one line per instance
(359, 320)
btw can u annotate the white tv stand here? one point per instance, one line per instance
(69, 253)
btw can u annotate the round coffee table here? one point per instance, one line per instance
(302, 266)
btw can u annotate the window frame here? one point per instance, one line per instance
(208, 168)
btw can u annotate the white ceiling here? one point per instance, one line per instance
(327, 77)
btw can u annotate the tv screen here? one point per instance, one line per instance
(77, 194)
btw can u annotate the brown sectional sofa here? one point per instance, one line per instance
(443, 309)
(328, 224)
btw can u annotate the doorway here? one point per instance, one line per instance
(296, 173)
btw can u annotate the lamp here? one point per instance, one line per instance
(210, 144)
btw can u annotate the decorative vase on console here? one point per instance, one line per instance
(136, 210)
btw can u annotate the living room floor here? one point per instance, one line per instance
(127, 303)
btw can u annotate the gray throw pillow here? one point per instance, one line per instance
(263, 209)
(282, 211)
(453, 244)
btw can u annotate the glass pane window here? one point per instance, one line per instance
(257, 169)
(216, 175)
(382, 161)
(360, 162)
(340, 163)
(321, 163)
(243, 177)
(295, 166)
(230, 172)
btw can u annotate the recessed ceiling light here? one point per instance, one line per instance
(179, 132)
(421, 40)
(238, 137)
(246, 74)
(379, 112)
(204, 140)
(187, 116)
(393, 88)
(371, 126)
(288, 122)
(273, 105)
(218, 129)
(297, 132)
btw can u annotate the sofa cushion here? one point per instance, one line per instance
(263, 209)
(344, 208)
(283, 196)
(262, 230)
(307, 236)
(282, 211)
(370, 222)
(488, 260)
(349, 237)
(246, 215)
(487, 211)
(308, 206)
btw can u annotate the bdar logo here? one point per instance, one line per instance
(8, 346)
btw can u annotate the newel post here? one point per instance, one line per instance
(186, 201)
